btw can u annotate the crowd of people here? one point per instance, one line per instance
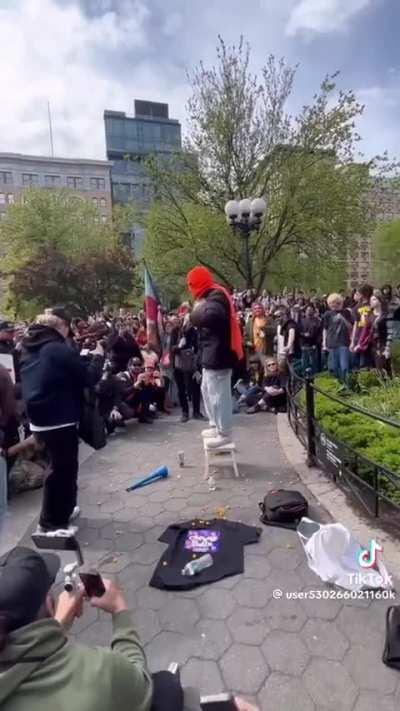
(224, 344)
(337, 332)
(131, 376)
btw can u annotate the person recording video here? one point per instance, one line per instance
(40, 668)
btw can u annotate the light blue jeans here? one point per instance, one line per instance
(217, 398)
(339, 362)
(3, 491)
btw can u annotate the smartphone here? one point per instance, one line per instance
(218, 702)
(93, 583)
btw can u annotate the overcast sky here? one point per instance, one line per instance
(88, 55)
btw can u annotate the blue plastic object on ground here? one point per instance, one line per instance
(160, 473)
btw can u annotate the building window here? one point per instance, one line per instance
(74, 183)
(5, 177)
(95, 202)
(102, 203)
(52, 181)
(97, 183)
(10, 199)
(2, 199)
(30, 179)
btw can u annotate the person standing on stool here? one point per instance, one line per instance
(220, 345)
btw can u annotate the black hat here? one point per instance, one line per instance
(6, 326)
(61, 312)
(25, 579)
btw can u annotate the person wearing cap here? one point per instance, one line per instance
(220, 345)
(53, 378)
(40, 668)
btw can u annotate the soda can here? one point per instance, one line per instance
(181, 459)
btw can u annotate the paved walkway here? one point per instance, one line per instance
(283, 654)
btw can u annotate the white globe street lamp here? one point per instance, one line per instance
(244, 217)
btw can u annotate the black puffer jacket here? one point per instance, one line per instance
(212, 318)
(54, 376)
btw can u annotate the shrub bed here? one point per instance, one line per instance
(378, 442)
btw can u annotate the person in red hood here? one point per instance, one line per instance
(220, 349)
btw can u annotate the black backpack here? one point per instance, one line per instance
(283, 508)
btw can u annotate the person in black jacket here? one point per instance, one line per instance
(53, 378)
(220, 344)
(184, 348)
(310, 332)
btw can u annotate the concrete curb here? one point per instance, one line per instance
(333, 499)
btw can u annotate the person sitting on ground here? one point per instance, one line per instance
(135, 392)
(272, 395)
(251, 382)
(150, 356)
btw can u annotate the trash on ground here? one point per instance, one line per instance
(156, 475)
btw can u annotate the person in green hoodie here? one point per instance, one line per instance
(40, 668)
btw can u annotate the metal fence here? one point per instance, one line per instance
(366, 481)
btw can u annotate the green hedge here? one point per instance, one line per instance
(378, 442)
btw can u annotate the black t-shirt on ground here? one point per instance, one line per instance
(224, 540)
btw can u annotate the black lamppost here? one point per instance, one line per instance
(245, 217)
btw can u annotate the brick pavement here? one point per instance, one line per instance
(232, 635)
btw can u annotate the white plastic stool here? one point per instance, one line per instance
(218, 456)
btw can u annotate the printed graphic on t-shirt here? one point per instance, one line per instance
(203, 541)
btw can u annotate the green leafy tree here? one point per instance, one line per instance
(56, 250)
(386, 253)
(242, 142)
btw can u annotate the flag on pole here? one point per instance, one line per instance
(151, 310)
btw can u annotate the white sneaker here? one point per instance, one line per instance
(218, 441)
(76, 512)
(57, 533)
(211, 432)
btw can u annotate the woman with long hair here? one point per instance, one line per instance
(381, 334)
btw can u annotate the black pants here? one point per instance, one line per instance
(60, 486)
(188, 389)
(168, 693)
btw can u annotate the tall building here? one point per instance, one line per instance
(130, 140)
(89, 178)
(385, 200)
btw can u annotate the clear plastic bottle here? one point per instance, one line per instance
(212, 486)
(196, 566)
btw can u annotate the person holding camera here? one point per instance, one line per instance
(40, 668)
(136, 392)
(53, 378)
